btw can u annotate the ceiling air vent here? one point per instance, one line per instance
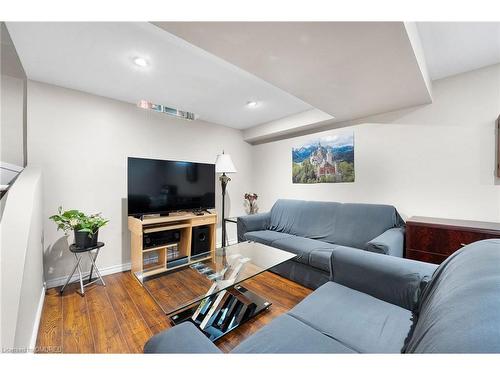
(144, 104)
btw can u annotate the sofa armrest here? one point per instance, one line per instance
(391, 279)
(390, 242)
(184, 338)
(252, 222)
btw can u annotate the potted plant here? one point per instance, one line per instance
(85, 227)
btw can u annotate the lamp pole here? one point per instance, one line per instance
(223, 165)
(224, 179)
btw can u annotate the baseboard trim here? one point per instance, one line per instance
(38, 318)
(59, 281)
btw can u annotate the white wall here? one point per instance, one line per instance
(12, 115)
(433, 160)
(21, 261)
(82, 142)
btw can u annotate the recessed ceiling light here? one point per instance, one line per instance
(141, 61)
(252, 104)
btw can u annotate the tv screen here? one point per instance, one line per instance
(162, 186)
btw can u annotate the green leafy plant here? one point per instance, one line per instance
(78, 221)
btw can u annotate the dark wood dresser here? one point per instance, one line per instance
(432, 240)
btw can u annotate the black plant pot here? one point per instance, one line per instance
(84, 239)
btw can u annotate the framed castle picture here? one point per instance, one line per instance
(328, 159)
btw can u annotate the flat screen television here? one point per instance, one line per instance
(163, 186)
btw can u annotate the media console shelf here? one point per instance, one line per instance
(181, 221)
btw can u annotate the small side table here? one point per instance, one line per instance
(234, 220)
(78, 253)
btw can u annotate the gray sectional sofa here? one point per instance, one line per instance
(380, 304)
(312, 230)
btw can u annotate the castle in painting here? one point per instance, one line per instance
(323, 162)
(330, 159)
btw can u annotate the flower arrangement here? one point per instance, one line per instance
(251, 203)
(86, 227)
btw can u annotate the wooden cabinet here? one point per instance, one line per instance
(142, 266)
(433, 240)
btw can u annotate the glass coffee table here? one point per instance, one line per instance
(208, 292)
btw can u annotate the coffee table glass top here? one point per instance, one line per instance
(229, 266)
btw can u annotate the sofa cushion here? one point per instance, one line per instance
(459, 311)
(301, 246)
(304, 218)
(359, 321)
(267, 237)
(286, 334)
(357, 223)
(183, 338)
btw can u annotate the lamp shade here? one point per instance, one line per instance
(224, 164)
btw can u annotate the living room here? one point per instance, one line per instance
(182, 187)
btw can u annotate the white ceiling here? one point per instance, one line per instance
(97, 58)
(343, 69)
(456, 47)
(346, 69)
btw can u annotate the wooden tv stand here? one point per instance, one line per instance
(184, 221)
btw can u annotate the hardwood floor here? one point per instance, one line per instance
(122, 316)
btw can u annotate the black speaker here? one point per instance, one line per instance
(200, 242)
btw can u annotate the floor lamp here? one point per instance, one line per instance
(224, 165)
